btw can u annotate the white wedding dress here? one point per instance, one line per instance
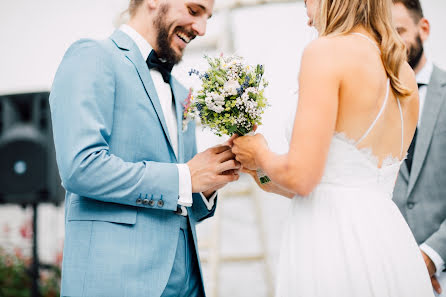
(348, 238)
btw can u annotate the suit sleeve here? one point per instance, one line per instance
(437, 241)
(82, 108)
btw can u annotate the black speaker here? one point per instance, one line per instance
(28, 170)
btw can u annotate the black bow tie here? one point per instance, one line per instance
(163, 67)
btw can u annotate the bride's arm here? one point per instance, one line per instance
(301, 169)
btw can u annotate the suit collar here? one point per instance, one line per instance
(122, 40)
(144, 47)
(435, 97)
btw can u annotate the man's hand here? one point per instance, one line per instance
(212, 169)
(432, 269)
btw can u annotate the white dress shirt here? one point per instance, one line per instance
(423, 77)
(167, 105)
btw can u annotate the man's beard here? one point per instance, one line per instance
(415, 52)
(163, 40)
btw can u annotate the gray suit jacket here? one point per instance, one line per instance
(421, 197)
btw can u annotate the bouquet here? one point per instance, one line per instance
(231, 98)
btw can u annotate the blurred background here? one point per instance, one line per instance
(240, 246)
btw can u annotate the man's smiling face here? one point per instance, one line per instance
(178, 22)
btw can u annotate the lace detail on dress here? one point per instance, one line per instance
(368, 153)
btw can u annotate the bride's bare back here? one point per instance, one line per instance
(362, 94)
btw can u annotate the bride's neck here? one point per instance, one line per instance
(362, 30)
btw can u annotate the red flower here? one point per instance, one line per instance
(26, 230)
(187, 102)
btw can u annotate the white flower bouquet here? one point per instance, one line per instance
(231, 98)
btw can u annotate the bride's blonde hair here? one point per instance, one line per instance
(342, 16)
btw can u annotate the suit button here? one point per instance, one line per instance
(145, 201)
(138, 201)
(151, 203)
(410, 205)
(160, 203)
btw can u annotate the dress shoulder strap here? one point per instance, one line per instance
(384, 104)
(368, 38)
(402, 127)
(378, 116)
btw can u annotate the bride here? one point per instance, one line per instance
(356, 116)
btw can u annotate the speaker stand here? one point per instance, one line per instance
(35, 292)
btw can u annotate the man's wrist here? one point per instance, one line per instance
(434, 257)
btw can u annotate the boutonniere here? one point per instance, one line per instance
(187, 103)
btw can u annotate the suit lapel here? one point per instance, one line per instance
(124, 42)
(429, 119)
(179, 96)
(404, 172)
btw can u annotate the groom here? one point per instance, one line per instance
(420, 191)
(127, 164)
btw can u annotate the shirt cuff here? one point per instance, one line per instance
(184, 186)
(435, 257)
(209, 202)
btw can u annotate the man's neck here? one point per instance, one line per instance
(146, 31)
(420, 64)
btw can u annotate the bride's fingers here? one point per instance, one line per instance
(230, 141)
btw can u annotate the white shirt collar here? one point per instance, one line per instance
(144, 46)
(424, 76)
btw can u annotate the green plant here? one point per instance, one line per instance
(15, 280)
(15, 277)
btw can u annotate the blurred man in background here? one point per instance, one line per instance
(420, 191)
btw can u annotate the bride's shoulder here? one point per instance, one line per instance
(322, 51)
(323, 44)
(330, 43)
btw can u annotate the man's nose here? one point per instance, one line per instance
(199, 26)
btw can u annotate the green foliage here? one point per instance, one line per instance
(15, 280)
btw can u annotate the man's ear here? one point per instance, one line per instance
(424, 29)
(152, 4)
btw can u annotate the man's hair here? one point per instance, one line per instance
(133, 6)
(414, 8)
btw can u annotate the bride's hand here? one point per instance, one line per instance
(246, 149)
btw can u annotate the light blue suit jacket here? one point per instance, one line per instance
(117, 164)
